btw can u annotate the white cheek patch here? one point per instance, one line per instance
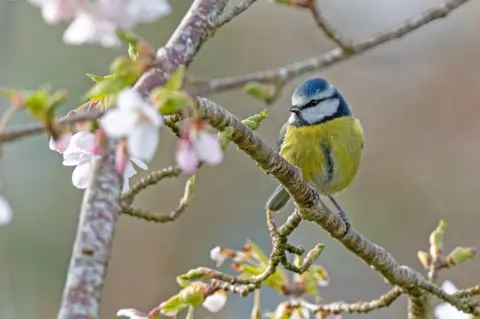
(292, 118)
(322, 110)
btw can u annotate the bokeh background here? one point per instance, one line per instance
(418, 100)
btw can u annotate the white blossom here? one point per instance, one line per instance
(79, 154)
(446, 310)
(136, 120)
(217, 256)
(61, 144)
(132, 314)
(88, 28)
(96, 22)
(215, 302)
(5, 211)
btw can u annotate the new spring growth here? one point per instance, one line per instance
(42, 104)
(189, 191)
(264, 92)
(169, 99)
(425, 259)
(436, 240)
(253, 123)
(124, 72)
(192, 295)
(460, 255)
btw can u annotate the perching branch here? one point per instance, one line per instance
(311, 208)
(300, 68)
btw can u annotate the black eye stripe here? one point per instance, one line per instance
(313, 103)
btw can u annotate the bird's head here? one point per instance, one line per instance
(316, 101)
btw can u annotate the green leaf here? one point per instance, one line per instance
(257, 251)
(253, 122)
(97, 78)
(176, 80)
(170, 102)
(37, 104)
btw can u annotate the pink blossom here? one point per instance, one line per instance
(61, 144)
(197, 145)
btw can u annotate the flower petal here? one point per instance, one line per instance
(87, 28)
(449, 287)
(300, 314)
(153, 116)
(119, 122)
(83, 140)
(128, 99)
(5, 211)
(148, 10)
(81, 175)
(132, 314)
(186, 157)
(208, 148)
(139, 163)
(75, 156)
(215, 302)
(143, 142)
(447, 311)
(61, 144)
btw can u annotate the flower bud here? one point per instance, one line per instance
(436, 239)
(460, 255)
(424, 258)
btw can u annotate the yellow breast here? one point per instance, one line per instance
(328, 153)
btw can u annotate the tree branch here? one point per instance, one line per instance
(84, 280)
(360, 306)
(297, 69)
(310, 207)
(91, 250)
(242, 6)
(329, 31)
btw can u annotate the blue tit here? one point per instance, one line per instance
(322, 138)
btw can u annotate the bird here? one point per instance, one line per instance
(323, 139)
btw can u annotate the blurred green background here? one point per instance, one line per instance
(417, 99)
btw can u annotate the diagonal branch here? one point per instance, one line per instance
(297, 69)
(311, 208)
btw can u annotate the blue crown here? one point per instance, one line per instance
(311, 87)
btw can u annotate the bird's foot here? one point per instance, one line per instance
(342, 215)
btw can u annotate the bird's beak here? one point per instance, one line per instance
(294, 109)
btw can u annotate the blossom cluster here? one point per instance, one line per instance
(136, 124)
(96, 22)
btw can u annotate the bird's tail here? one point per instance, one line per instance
(278, 199)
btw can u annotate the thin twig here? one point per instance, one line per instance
(153, 178)
(154, 217)
(300, 68)
(331, 32)
(359, 307)
(25, 130)
(238, 9)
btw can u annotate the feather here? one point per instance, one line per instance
(278, 199)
